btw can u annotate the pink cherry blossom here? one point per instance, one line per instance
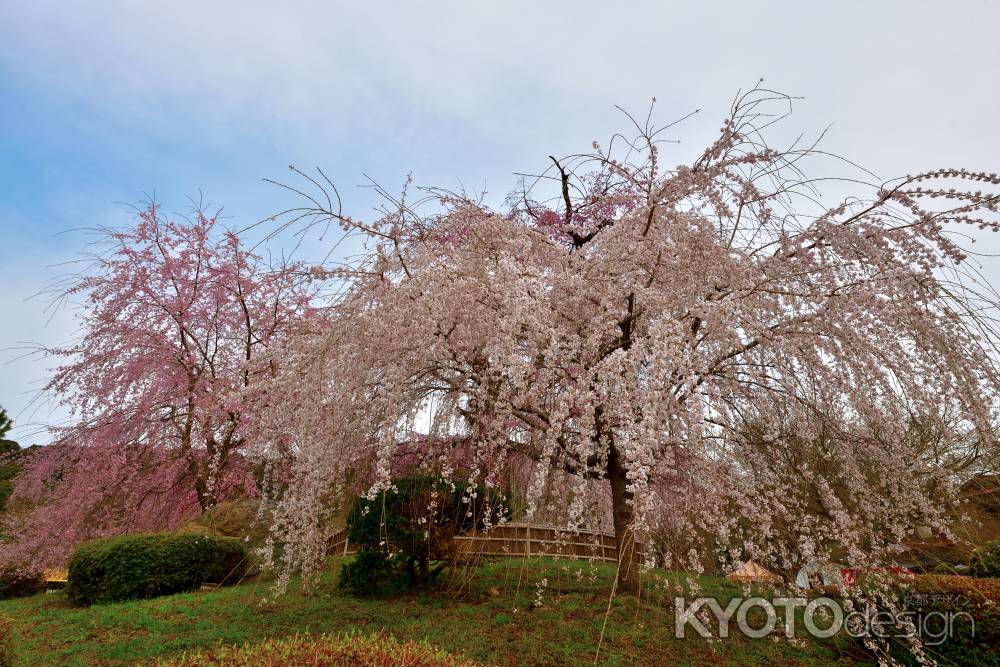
(176, 320)
(706, 351)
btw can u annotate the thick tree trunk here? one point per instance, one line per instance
(622, 513)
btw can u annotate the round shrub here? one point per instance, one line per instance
(130, 567)
(405, 534)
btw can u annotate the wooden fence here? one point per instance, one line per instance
(524, 540)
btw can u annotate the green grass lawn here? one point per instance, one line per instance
(492, 621)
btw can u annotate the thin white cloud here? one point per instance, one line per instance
(914, 75)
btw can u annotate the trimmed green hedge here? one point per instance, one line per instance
(129, 567)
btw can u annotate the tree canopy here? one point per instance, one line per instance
(626, 339)
(175, 323)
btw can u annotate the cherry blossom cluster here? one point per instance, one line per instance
(176, 321)
(707, 353)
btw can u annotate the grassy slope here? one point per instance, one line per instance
(488, 628)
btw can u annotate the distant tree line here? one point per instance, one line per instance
(9, 459)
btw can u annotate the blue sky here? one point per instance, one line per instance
(102, 103)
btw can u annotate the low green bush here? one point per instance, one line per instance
(943, 569)
(130, 567)
(16, 582)
(372, 572)
(405, 535)
(10, 455)
(985, 561)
